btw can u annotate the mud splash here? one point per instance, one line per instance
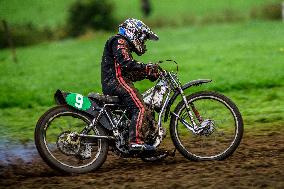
(11, 151)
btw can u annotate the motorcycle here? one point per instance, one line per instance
(76, 135)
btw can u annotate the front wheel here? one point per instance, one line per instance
(219, 127)
(58, 143)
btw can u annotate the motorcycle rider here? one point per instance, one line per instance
(119, 70)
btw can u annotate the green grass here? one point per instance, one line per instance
(245, 61)
(41, 13)
(53, 13)
(168, 9)
(235, 56)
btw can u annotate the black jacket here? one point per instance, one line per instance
(117, 61)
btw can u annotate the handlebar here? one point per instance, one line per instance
(165, 61)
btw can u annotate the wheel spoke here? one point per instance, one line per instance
(60, 146)
(68, 149)
(218, 124)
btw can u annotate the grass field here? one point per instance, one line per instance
(53, 13)
(245, 61)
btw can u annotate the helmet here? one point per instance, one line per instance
(137, 33)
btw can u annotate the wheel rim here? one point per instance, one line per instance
(224, 133)
(67, 122)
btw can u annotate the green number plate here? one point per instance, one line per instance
(78, 101)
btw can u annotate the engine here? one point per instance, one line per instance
(122, 135)
(154, 96)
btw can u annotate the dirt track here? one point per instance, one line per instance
(257, 163)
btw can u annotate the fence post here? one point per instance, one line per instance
(283, 11)
(10, 41)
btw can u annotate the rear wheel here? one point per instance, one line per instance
(221, 123)
(58, 143)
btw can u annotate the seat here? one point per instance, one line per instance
(104, 98)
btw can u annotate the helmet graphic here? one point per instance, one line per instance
(137, 33)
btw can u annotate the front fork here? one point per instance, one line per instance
(196, 113)
(193, 126)
(190, 115)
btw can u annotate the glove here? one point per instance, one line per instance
(152, 72)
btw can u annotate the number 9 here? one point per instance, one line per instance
(79, 101)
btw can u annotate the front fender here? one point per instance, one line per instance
(80, 103)
(184, 87)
